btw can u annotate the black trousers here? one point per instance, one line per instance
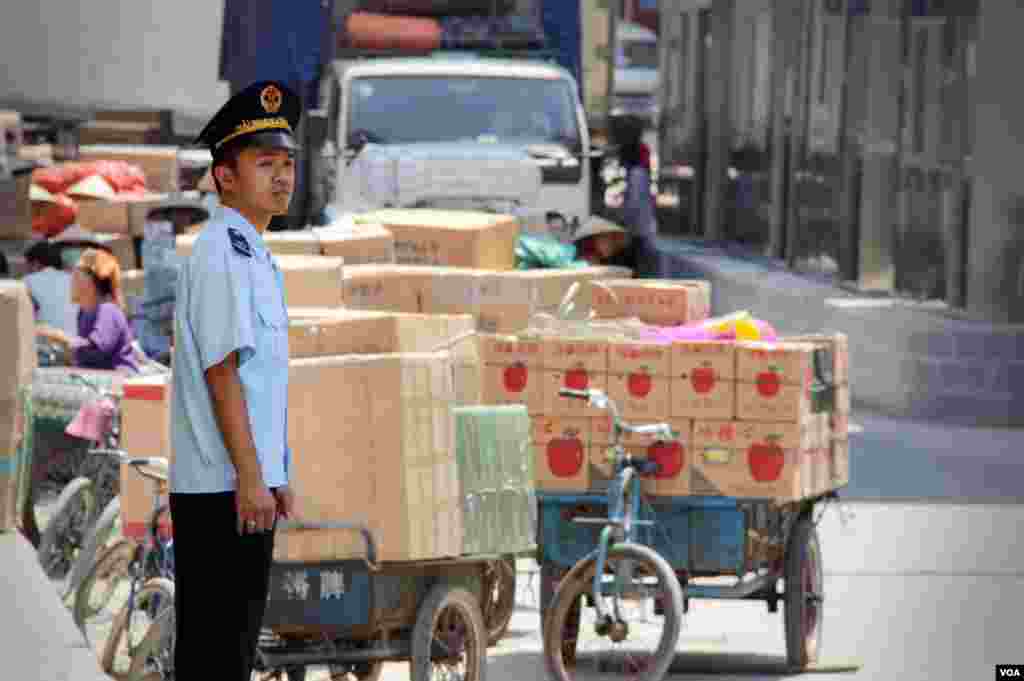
(220, 593)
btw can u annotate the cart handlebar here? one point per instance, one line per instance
(305, 526)
(599, 400)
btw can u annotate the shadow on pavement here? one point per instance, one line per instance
(530, 664)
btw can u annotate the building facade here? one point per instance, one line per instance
(853, 138)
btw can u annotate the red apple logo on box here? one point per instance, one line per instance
(565, 455)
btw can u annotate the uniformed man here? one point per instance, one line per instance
(229, 476)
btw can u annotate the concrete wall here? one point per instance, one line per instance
(114, 53)
(995, 286)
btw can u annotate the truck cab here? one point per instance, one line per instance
(506, 135)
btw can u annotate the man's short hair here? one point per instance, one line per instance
(45, 254)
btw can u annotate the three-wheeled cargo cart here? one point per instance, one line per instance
(354, 615)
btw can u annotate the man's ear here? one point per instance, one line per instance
(225, 176)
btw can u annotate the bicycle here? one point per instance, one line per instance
(87, 510)
(148, 569)
(617, 578)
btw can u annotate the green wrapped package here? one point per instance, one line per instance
(495, 459)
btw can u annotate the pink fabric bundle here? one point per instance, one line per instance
(710, 330)
(92, 422)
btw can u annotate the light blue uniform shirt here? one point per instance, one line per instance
(230, 296)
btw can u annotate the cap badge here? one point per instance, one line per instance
(270, 98)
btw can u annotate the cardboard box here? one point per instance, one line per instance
(13, 463)
(562, 463)
(838, 344)
(568, 354)
(396, 288)
(145, 431)
(653, 301)
(385, 456)
(512, 371)
(328, 332)
(638, 379)
(502, 302)
(774, 364)
(770, 402)
(16, 207)
(752, 460)
(556, 405)
(17, 349)
(358, 244)
(159, 163)
(365, 332)
(312, 280)
(552, 285)
(449, 238)
(672, 480)
(122, 215)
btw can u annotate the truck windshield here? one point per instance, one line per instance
(411, 109)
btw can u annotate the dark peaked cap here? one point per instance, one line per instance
(264, 114)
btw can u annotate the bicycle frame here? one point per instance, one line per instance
(624, 493)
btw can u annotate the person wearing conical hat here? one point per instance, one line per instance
(600, 241)
(229, 475)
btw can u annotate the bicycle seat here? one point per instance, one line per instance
(154, 467)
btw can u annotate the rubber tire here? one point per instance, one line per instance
(578, 581)
(122, 553)
(158, 585)
(97, 539)
(803, 546)
(550, 576)
(442, 596)
(499, 615)
(49, 541)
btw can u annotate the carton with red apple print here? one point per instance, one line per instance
(575, 363)
(751, 460)
(703, 384)
(638, 379)
(773, 380)
(512, 371)
(562, 446)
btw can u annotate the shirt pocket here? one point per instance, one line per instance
(273, 332)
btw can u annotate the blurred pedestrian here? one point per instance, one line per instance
(49, 285)
(638, 207)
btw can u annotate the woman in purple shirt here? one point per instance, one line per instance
(104, 339)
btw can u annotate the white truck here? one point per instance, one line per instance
(459, 131)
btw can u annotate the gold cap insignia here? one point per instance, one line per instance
(270, 98)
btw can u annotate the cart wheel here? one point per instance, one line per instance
(103, 591)
(64, 536)
(804, 595)
(449, 637)
(500, 602)
(577, 645)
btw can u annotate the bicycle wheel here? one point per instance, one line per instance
(804, 595)
(638, 582)
(500, 601)
(133, 624)
(104, 589)
(153, 659)
(99, 537)
(64, 535)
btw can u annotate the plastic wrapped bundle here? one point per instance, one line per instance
(440, 8)
(496, 477)
(515, 32)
